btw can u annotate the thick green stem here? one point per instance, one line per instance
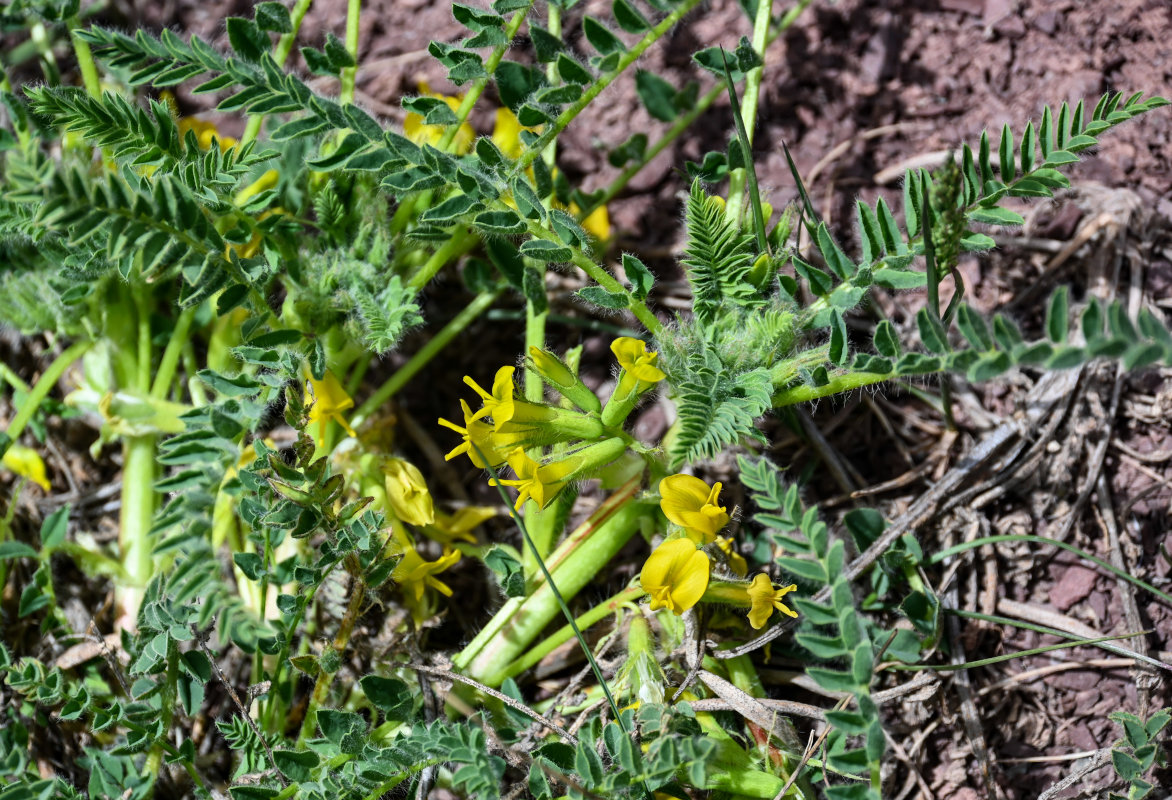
(565, 633)
(539, 609)
(479, 85)
(170, 360)
(43, 386)
(534, 337)
(736, 179)
(350, 74)
(425, 354)
(627, 59)
(280, 53)
(137, 515)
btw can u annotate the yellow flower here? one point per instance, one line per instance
(407, 492)
(27, 463)
(688, 502)
(541, 482)
(765, 597)
(205, 133)
(477, 435)
(498, 404)
(329, 401)
(449, 527)
(736, 562)
(419, 132)
(675, 575)
(633, 356)
(504, 408)
(415, 575)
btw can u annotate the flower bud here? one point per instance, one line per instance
(557, 374)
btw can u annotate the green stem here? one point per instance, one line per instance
(736, 179)
(85, 60)
(44, 385)
(143, 352)
(553, 23)
(350, 74)
(479, 85)
(461, 242)
(608, 282)
(324, 679)
(195, 388)
(137, 515)
(280, 53)
(836, 385)
(170, 360)
(682, 123)
(565, 633)
(578, 568)
(425, 354)
(627, 59)
(534, 337)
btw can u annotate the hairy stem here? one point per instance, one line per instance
(736, 179)
(478, 86)
(836, 385)
(324, 679)
(628, 58)
(280, 53)
(350, 74)
(85, 60)
(461, 242)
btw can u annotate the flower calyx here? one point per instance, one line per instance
(638, 375)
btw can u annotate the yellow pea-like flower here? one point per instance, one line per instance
(329, 401)
(765, 597)
(634, 357)
(675, 575)
(407, 492)
(690, 503)
(415, 575)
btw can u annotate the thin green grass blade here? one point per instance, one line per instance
(809, 215)
(747, 157)
(1074, 639)
(1021, 654)
(1022, 537)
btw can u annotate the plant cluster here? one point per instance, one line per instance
(221, 301)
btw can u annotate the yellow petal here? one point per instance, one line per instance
(661, 561)
(682, 495)
(692, 581)
(27, 463)
(407, 492)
